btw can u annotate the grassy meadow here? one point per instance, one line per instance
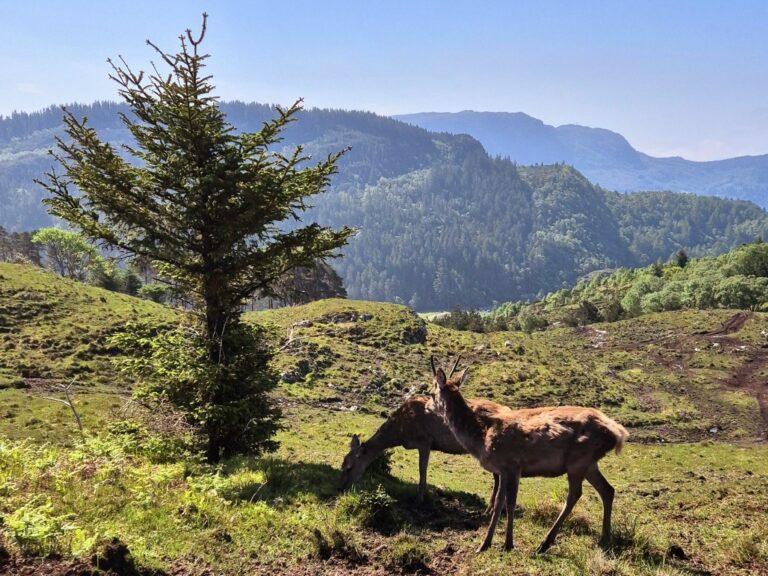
(691, 486)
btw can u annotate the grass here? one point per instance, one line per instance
(660, 373)
(684, 507)
(52, 328)
(689, 501)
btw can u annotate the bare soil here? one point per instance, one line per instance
(678, 350)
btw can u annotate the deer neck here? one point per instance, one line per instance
(463, 422)
(383, 439)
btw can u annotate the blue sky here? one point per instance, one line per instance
(675, 77)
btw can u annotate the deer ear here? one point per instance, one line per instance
(463, 376)
(355, 444)
(440, 378)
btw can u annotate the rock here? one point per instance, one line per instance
(417, 335)
(340, 317)
(306, 323)
(508, 344)
(366, 317)
(298, 373)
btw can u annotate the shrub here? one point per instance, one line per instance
(372, 509)
(530, 321)
(226, 403)
(38, 531)
(155, 292)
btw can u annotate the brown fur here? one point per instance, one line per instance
(411, 426)
(548, 441)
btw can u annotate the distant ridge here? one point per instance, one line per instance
(603, 156)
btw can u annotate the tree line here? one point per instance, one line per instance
(737, 279)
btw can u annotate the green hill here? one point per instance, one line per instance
(689, 376)
(735, 280)
(681, 508)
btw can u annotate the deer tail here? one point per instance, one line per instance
(619, 433)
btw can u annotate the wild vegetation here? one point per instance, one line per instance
(690, 488)
(737, 280)
(208, 208)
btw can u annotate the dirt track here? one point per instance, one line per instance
(747, 377)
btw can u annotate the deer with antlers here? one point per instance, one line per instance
(412, 427)
(549, 441)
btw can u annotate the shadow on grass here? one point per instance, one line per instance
(629, 538)
(281, 483)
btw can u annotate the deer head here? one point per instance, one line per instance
(354, 464)
(442, 382)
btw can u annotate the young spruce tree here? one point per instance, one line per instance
(212, 207)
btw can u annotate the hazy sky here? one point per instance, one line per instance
(675, 77)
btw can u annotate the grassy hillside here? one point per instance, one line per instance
(54, 328)
(670, 375)
(681, 508)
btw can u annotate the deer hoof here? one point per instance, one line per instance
(543, 547)
(508, 546)
(482, 548)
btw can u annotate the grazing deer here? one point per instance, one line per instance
(548, 441)
(412, 427)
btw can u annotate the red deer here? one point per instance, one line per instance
(411, 427)
(549, 441)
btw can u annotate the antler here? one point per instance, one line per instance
(432, 363)
(455, 365)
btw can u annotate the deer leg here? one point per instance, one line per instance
(493, 494)
(423, 463)
(606, 491)
(512, 486)
(498, 504)
(574, 493)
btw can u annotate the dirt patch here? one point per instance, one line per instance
(733, 324)
(49, 567)
(676, 350)
(749, 377)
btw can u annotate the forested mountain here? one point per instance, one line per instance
(470, 234)
(603, 156)
(440, 221)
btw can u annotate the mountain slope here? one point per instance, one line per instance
(603, 156)
(441, 223)
(344, 353)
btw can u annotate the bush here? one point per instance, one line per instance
(38, 531)
(372, 509)
(459, 319)
(155, 292)
(530, 321)
(226, 403)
